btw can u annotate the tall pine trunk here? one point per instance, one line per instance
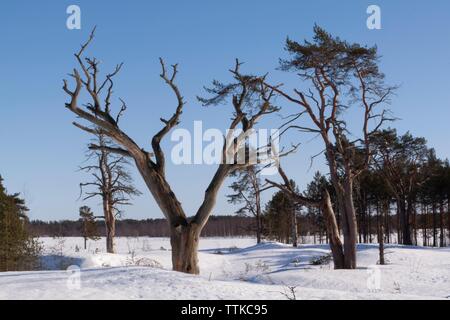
(441, 224)
(258, 228)
(404, 211)
(349, 226)
(383, 213)
(448, 217)
(294, 227)
(434, 225)
(258, 217)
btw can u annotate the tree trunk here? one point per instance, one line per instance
(434, 226)
(414, 222)
(110, 234)
(425, 227)
(349, 226)
(381, 243)
(363, 218)
(333, 232)
(184, 242)
(448, 218)
(399, 230)
(258, 218)
(110, 223)
(387, 222)
(344, 196)
(258, 229)
(441, 224)
(404, 209)
(294, 226)
(383, 213)
(369, 224)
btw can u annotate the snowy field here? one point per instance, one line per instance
(231, 268)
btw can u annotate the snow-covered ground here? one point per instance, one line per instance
(231, 268)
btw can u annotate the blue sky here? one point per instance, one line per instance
(40, 150)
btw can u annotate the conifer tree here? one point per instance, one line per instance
(89, 226)
(18, 250)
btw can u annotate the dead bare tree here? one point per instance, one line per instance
(111, 182)
(340, 76)
(184, 231)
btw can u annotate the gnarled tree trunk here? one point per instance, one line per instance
(151, 165)
(184, 242)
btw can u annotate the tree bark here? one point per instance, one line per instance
(441, 224)
(399, 224)
(448, 218)
(258, 229)
(110, 224)
(404, 211)
(387, 222)
(344, 195)
(369, 224)
(383, 213)
(414, 222)
(349, 225)
(434, 225)
(294, 227)
(337, 250)
(381, 243)
(184, 242)
(110, 234)
(408, 227)
(425, 226)
(258, 217)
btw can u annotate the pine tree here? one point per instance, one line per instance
(280, 218)
(314, 191)
(89, 226)
(18, 250)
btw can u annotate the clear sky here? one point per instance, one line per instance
(40, 149)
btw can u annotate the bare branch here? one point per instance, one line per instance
(119, 151)
(172, 122)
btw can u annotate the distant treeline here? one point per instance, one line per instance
(220, 226)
